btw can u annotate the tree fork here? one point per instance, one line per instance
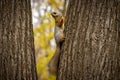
(91, 50)
(17, 56)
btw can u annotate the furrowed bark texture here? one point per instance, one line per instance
(91, 50)
(17, 56)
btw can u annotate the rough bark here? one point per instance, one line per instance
(17, 56)
(91, 50)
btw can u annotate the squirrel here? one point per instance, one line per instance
(59, 38)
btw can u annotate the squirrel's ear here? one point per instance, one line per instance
(64, 16)
(61, 21)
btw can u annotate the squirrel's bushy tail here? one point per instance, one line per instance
(53, 64)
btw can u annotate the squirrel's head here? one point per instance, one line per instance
(55, 15)
(58, 18)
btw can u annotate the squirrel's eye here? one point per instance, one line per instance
(54, 12)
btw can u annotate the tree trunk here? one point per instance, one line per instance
(17, 56)
(91, 50)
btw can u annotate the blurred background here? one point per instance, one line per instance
(43, 25)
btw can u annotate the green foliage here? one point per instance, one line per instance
(43, 39)
(42, 35)
(55, 3)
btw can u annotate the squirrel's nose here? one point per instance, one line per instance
(52, 15)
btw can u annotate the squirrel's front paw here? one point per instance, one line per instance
(63, 39)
